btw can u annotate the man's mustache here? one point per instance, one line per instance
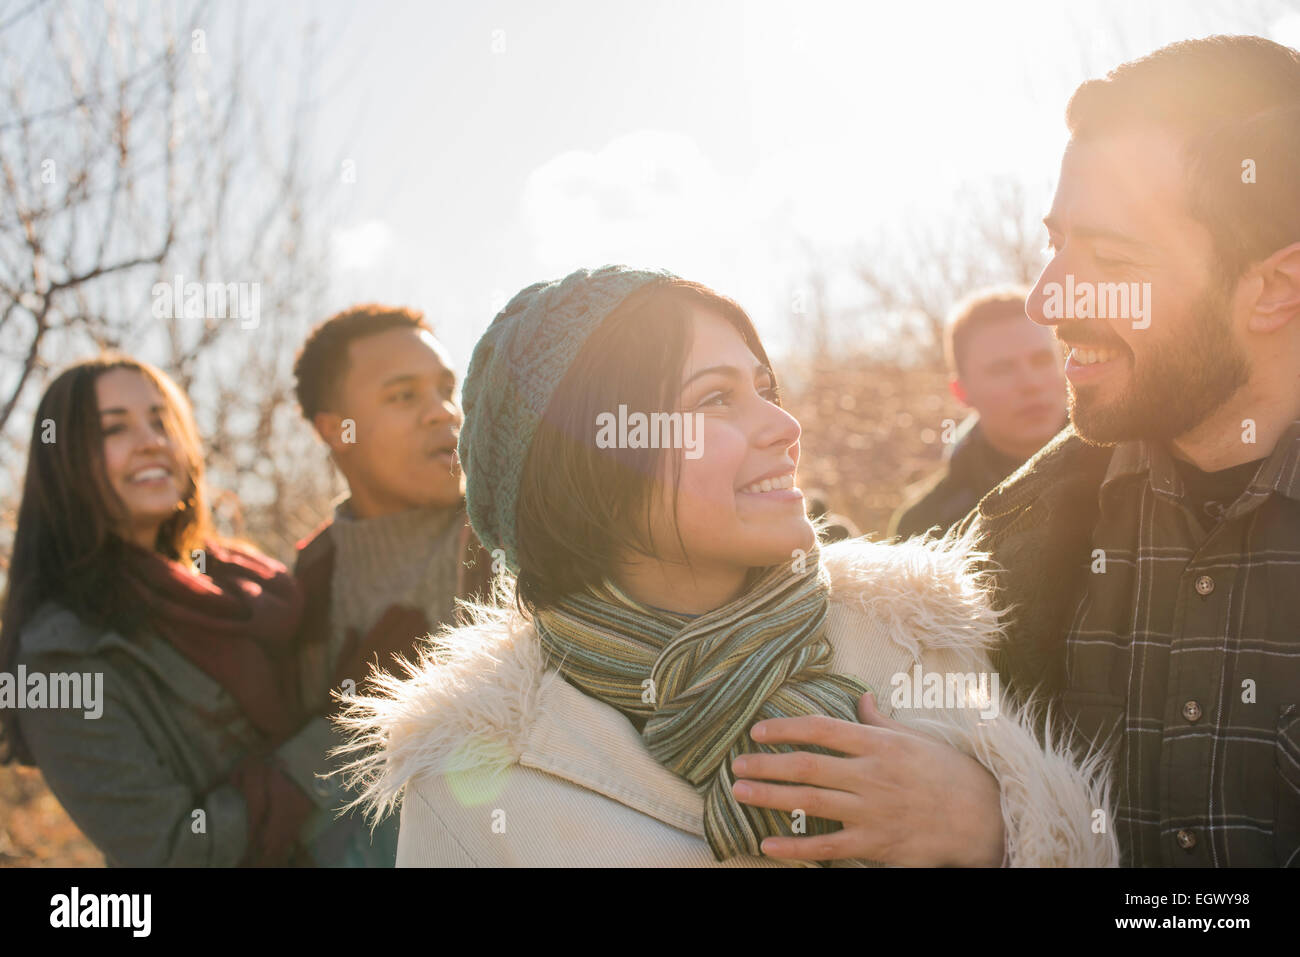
(1090, 337)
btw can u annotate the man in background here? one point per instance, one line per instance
(1009, 371)
(387, 568)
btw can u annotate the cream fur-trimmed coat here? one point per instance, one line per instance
(496, 761)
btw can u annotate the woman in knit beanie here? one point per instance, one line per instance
(661, 590)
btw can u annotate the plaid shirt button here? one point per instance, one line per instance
(1186, 840)
(1204, 585)
(1192, 711)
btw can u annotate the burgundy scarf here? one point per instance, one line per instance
(236, 622)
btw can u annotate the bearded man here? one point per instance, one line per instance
(1151, 552)
(1149, 555)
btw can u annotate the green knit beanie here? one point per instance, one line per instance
(514, 372)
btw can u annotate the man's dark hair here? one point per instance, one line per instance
(1230, 99)
(323, 360)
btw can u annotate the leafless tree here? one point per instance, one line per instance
(135, 149)
(991, 237)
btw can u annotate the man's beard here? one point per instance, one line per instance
(1180, 382)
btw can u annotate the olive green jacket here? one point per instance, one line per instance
(148, 780)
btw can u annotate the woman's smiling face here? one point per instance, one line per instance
(140, 456)
(738, 506)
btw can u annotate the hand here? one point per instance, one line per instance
(903, 798)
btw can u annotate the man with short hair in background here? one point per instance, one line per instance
(1010, 373)
(387, 568)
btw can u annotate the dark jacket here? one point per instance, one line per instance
(971, 469)
(149, 781)
(1037, 529)
(1224, 793)
(351, 842)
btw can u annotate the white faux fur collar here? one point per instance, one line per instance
(471, 698)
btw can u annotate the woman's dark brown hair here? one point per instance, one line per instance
(66, 549)
(582, 507)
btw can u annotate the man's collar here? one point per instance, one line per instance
(1280, 474)
(1129, 458)
(974, 459)
(343, 512)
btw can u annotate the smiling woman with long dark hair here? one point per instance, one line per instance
(199, 753)
(662, 600)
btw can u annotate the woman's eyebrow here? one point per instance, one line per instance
(731, 372)
(119, 410)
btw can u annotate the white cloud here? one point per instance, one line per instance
(652, 198)
(648, 197)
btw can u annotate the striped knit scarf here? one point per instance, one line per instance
(696, 686)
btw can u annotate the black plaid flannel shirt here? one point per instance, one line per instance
(1184, 654)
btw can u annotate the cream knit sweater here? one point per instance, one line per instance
(409, 558)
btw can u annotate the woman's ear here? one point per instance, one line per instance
(1278, 299)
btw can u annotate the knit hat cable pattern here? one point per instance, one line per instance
(513, 374)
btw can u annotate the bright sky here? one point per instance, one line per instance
(496, 144)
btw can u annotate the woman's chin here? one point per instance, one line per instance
(776, 545)
(154, 510)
